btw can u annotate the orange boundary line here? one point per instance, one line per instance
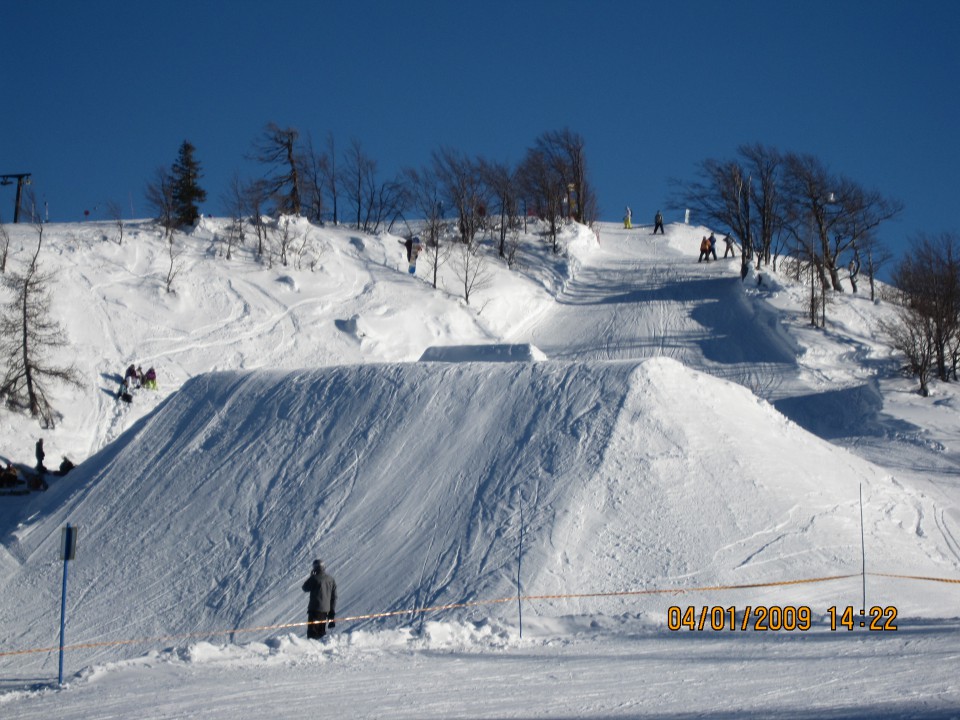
(474, 603)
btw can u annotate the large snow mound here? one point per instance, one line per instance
(207, 513)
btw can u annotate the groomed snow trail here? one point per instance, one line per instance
(643, 295)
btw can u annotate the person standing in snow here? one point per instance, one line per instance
(321, 608)
(41, 468)
(729, 242)
(658, 223)
(704, 250)
(408, 244)
(713, 245)
(627, 219)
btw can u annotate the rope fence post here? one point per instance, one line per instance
(863, 555)
(519, 562)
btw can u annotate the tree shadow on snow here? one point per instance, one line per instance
(843, 413)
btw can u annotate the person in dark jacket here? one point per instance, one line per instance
(321, 610)
(658, 223)
(41, 468)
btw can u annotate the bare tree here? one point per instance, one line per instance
(332, 178)
(426, 199)
(911, 333)
(175, 266)
(564, 151)
(356, 179)
(256, 195)
(877, 255)
(116, 214)
(4, 246)
(159, 195)
(285, 238)
(302, 250)
(763, 167)
(277, 149)
(314, 176)
(470, 266)
(501, 183)
(544, 190)
(392, 201)
(28, 335)
(841, 212)
(512, 255)
(235, 202)
(463, 187)
(929, 279)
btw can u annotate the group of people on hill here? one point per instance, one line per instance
(135, 378)
(708, 247)
(657, 221)
(11, 476)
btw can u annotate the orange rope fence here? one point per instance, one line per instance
(474, 603)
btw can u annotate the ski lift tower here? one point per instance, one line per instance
(22, 179)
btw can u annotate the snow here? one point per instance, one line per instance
(621, 428)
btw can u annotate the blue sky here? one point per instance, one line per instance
(99, 94)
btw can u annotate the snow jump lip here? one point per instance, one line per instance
(495, 352)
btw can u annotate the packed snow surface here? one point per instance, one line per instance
(598, 437)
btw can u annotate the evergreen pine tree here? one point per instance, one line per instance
(187, 193)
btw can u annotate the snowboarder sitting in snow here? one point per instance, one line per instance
(131, 378)
(323, 601)
(125, 391)
(9, 477)
(150, 379)
(704, 250)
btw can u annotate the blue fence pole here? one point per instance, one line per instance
(63, 600)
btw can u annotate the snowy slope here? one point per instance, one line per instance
(206, 514)
(652, 455)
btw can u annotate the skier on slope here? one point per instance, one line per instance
(658, 223)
